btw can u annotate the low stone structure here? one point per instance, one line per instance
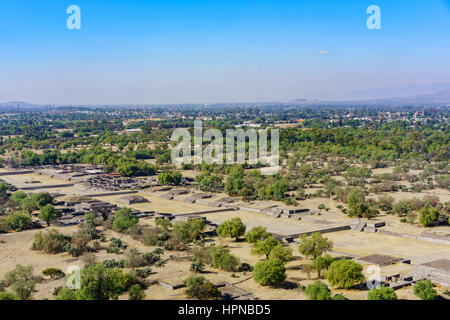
(133, 199)
(379, 259)
(173, 193)
(99, 208)
(437, 271)
(196, 196)
(231, 292)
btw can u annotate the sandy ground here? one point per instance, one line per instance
(15, 247)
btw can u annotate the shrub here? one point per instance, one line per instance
(134, 259)
(53, 273)
(382, 293)
(424, 290)
(89, 259)
(143, 273)
(428, 216)
(114, 264)
(18, 221)
(244, 267)
(197, 266)
(115, 246)
(24, 289)
(79, 244)
(318, 291)
(124, 219)
(136, 292)
(199, 288)
(269, 272)
(222, 259)
(51, 242)
(7, 296)
(339, 296)
(65, 294)
(188, 231)
(345, 273)
(19, 273)
(385, 203)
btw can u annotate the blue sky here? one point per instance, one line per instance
(149, 51)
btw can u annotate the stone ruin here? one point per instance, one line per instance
(437, 271)
(133, 199)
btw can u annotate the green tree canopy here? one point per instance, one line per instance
(269, 272)
(314, 245)
(345, 273)
(233, 228)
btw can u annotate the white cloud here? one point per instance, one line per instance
(322, 52)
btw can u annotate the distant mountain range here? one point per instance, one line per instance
(441, 98)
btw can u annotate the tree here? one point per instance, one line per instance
(188, 231)
(28, 205)
(256, 234)
(265, 247)
(281, 253)
(101, 283)
(424, 290)
(170, 178)
(136, 292)
(314, 245)
(382, 293)
(41, 199)
(3, 188)
(270, 272)
(318, 291)
(355, 196)
(124, 219)
(322, 263)
(48, 214)
(345, 273)
(163, 223)
(233, 228)
(19, 196)
(428, 216)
